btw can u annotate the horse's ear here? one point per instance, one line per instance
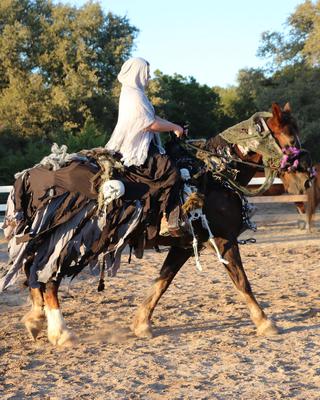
(287, 107)
(276, 111)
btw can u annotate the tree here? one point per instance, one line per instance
(58, 65)
(29, 151)
(241, 101)
(294, 70)
(300, 43)
(300, 85)
(182, 99)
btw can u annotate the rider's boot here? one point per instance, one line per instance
(174, 223)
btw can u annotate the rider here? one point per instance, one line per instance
(136, 138)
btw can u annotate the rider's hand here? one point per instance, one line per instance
(178, 131)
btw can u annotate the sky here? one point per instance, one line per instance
(210, 40)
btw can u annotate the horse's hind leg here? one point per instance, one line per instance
(34, 319)
(174, 261)
(230, 251)
(58, 334)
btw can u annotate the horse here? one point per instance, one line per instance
(313, 196)
(223, 208)
(312, 192)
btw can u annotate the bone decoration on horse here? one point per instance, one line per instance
(112, 190)
(195, 214)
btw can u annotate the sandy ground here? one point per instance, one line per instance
(205, 346)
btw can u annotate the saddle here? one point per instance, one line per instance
(60, 204)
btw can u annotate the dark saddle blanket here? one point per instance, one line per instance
(55, 222)
(61, 194)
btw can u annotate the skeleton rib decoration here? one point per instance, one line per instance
(195, 213)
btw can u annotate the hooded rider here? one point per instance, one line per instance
(136, 138)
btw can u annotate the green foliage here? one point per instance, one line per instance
(180, 99)
(58, 67)
(58, 64)
(300, 43)
(300, 85)
(18, 153)
(90, 136)
(294, 70)
(241, 101)
(228, 97)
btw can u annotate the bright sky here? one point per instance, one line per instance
(210, 40)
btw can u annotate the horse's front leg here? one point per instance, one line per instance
(34, 319)
(230, 251)
(174, 261)
(58, 334)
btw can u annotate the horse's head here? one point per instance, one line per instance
(283, 126)
(298, 174)
(296, 166)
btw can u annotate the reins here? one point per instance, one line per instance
(217, 165)
(269, 178)
(230, 159)
(255, 135)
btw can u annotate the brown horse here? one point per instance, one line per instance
(312, 190)
(307, 209)
(224, 210)
(313, 196)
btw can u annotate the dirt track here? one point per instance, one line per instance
(205, 346)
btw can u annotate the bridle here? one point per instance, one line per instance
(278, 160)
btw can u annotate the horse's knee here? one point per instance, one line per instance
(175, 259)
(239, 278)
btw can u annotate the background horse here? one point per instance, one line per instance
(313, 196)
(224, 210)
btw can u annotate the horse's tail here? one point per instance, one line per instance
(313, 194)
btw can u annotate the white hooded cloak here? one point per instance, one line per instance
(130, 136)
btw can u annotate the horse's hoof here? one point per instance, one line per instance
(142, 330)
(34, 323)
(67, 339)
(267, 328)
(63, 338)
